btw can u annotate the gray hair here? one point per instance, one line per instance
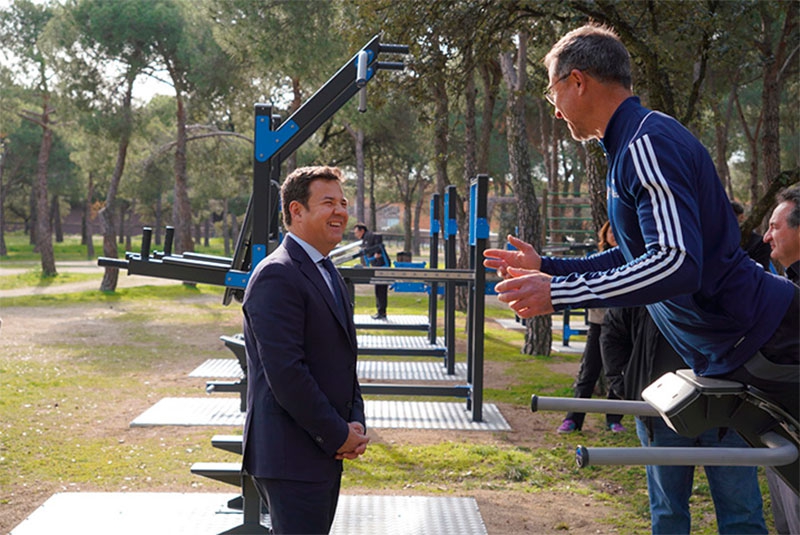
(792, 195)
(595, 49)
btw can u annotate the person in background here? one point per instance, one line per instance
(783, 237)
(629, 333)
(783, 234)
(305, 412)
(372, 252)
(593, 360)
(755, 247)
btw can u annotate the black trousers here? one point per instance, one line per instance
(381, 298)
(300, 507)
(591, 366)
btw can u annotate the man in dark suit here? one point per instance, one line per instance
(305, 413)
(372, 253)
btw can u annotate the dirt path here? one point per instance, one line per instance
(124, 281)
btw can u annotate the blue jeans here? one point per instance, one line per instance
(734, 489)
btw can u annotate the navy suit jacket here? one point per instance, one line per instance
(302, 388)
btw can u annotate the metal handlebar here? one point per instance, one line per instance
(779, 452)
(608, 406)
(392, 48)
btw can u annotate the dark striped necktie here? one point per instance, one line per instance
(336, 285)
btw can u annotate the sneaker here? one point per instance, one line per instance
(567, 426)
(378, 316)
(616, 428)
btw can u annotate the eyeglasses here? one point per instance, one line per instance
(548, 93)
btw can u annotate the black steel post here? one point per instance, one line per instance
(450, 231)
(479, 238)
(147, 234)
(169, 236)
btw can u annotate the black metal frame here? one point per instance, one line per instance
(474, 278)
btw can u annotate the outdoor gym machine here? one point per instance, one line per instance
(691, 405)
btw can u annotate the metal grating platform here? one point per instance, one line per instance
(408, 371)
(219, 368)
(213, 410)
(369, 344)
(367, 370)
(407, 515)
(224, 411)
(431, 415)
(399, 323)
(159, 513)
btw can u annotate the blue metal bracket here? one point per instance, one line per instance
(267, 141)
(236, 279)
(481, 228)
(435, 226)
(239, 279)
(451, 227)
(364, 72)
(450, 223)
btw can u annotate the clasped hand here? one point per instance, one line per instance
(524, 288)
(356, 443)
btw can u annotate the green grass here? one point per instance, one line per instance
(33, 278)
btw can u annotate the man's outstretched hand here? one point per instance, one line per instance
(524, 257)
(527, 292)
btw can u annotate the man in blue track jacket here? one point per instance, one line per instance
(678, 239)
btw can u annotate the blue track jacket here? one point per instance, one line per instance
(678, 250)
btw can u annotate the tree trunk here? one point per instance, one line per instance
(111, 275)
(373, 213)
(538, 336)
(752, 142)
(234, 226)
(358, 141)
(596, 167)
(129, 227)
(109, 282)
(121, 233)
(226, 237)
(408, 222)
(721, 137)
(3, 155)
(32, 224)
(55, 219)
(470, 172)
(87, 218)
(44, 239)
(775, 71)
(183, 225)
(417, 214)
(491, 76)
(159, 219)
